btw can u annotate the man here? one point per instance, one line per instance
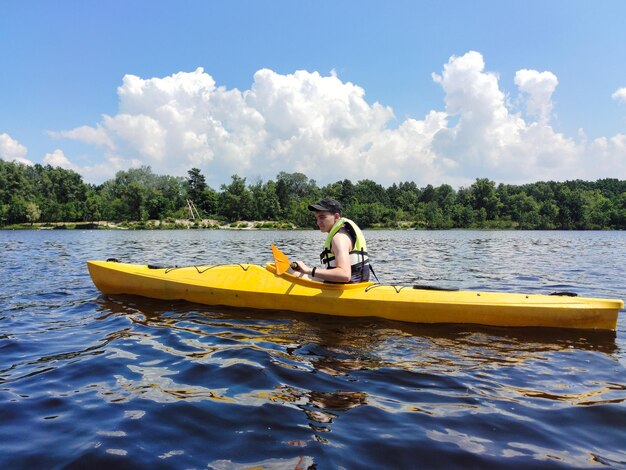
(344, 256)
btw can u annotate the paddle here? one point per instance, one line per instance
(281, 261)
(282, 264)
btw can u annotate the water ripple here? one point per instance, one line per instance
(97, 381)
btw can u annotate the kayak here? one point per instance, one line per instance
(262, 287)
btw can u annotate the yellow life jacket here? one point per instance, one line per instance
(359, 260)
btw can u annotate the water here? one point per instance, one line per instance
(89, 381)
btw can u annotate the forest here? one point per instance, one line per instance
(45, 195)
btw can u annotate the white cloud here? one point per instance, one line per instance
(620, 95)
(539, 87)
(490, 140)
(12, 150)
(58, 158)
(326, 129)
(485, 128)
(303, 122)
(96, 136)
(98, 172)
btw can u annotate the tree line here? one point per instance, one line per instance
(47, 194)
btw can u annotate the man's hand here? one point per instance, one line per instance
(301, 267)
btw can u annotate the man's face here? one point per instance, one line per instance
(325, 220)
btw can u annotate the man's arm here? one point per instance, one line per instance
(341, 249)
(342, 244)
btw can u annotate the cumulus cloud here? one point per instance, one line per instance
(620, 95)
(58, 158)
(96, 172)
(539, 87)
(90, 135)
(485, 127)
(326, 128)
(12, 150)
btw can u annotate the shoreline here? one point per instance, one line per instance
(173, 224)
(213, 224)
(254, 225)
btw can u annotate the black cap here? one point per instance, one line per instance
(326, 205)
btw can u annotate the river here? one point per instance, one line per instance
(90, 381)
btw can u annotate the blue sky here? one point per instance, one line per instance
(374, 99)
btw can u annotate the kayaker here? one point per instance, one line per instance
(344, 257)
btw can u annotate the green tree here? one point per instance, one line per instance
(484, 196)
(196, 185)
(404, 196)
(548, 213)
(367, 214)
(204, 198)
(265, 201)
(620, 211)
(4, 214)
(428, 194)
(347, 195)
(434, 217)
(93, 207)
(17, 210)
(32, 212)
(598, 211)
(172, 189)
(45, 193)
(571, 206)
(462, 216)
(445, 197)
(235, 200)
(294, 187)
(369, 192)
(525, 211)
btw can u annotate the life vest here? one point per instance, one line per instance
(359, 260)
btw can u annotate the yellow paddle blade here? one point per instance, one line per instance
(280, 260)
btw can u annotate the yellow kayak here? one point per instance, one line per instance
(261, 287)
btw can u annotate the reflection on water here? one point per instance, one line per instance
(128, 382)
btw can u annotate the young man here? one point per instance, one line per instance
(345, 252)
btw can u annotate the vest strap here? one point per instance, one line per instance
(356, 258)
(359, 259)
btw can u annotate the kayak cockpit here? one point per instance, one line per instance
(271, 267)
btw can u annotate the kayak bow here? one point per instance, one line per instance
(261, 287)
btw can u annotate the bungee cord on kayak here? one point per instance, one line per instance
(398, 289)
(244, 267)
(169, 269)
